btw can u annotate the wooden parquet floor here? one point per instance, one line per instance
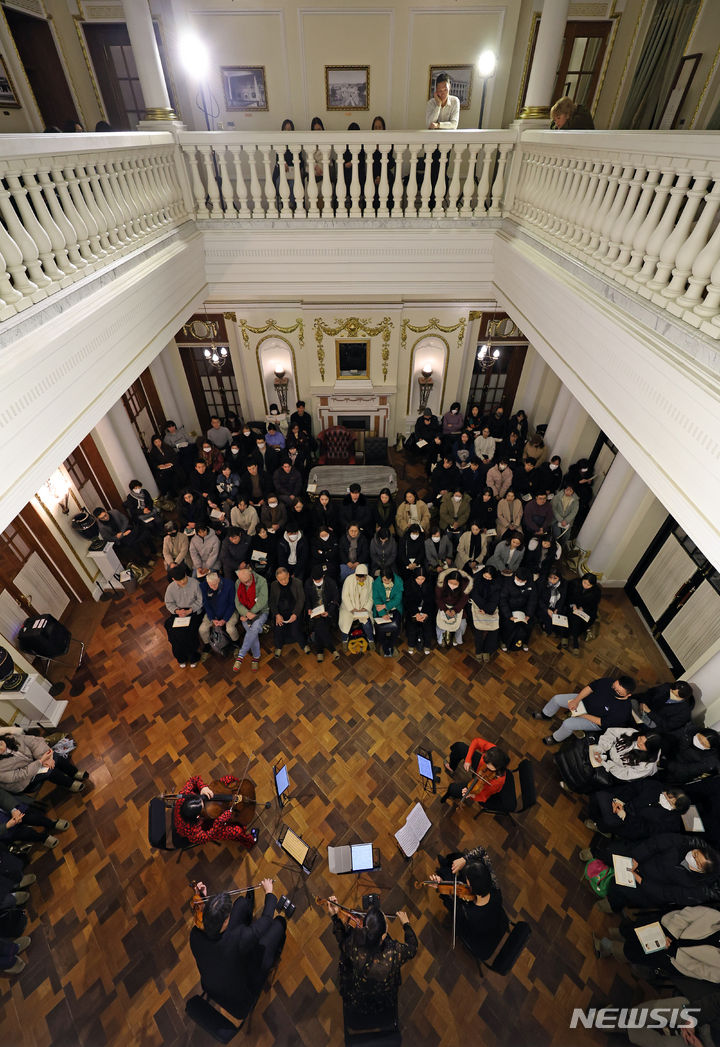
(110, 962)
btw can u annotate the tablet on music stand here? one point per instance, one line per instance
(426, 769)
(282, 782)
(296, 848)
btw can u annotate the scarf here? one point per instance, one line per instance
(246, 594)
(292, 542)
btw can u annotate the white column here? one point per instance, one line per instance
(706, 684)
(566, 439)
(187, 415)
(617, 478)
(531, 380)
(557, 416)
(122, 451)
(610, 545)
(147, 59)
(545, 60)
(164, 386)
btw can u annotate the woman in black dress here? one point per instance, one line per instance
(482, 923)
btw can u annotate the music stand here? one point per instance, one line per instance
(301, 854)
(427, 770)
(281, 782)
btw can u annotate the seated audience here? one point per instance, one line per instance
(383, 551)
(697, 755)
(322, 602)
(667, 706)
(218, 597)
(439, 552)
(129, 540)
(565, 505)
(163, 462)
(471, 549)
(412, 510)
(485, 446)
(324, 553)
(637, 810)
(445, 478)
(537, 516)
(288, 483)
(287, 601)
(509, 513)
(204, 551)
(420, 610)
(244, 516)
(293, 552)
(602, 704)
(552, 604)
(463, 450)
(175, 547)
(542, 555)
(251, 604)
(670, 869)
(356, 605)
(426, 438)
(619, 755)
(583, 600)
(274, 514)
(525, 480)
(27, 761)
(452, 421)
(452, 591)
(500, 478)
(387, 591)
(234, 552)
(454, 512)
(411, 552)
(324, 514)
(485, 612)
(218, 434)
(535, 449)
(518, 606)
(353, 549)
(384, 511)
(355, 509)
(183, 600)
(508, 554)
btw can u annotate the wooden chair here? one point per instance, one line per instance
(337, 446)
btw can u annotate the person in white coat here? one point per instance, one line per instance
(356, 605)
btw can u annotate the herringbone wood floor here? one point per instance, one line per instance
(109, 961)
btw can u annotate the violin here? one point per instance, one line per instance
(198, 900)
(242, 803)
(449, 887)
(351, 917)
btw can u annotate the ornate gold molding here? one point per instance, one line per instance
(230, 316)
(535, 112)
(434, 325)
(291, 347)
(353, 327)
(247, 329)
(159, 113)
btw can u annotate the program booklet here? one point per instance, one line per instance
(623, 871)
(651, 936)
(410, 835)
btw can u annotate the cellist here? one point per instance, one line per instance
(481, 922)
(192, 820)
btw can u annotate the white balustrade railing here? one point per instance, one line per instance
(350, 174)
(641, 208)
(71, 204)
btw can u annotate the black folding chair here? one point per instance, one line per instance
(505, 802)
(509, 951)
(379, 1029)
(161, 829)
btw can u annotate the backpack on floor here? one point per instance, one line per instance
(219, 641)
(357, 642)
(600, 877)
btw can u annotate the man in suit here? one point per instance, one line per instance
(235, 953)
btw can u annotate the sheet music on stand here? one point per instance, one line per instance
(410, 835)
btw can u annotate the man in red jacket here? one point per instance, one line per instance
(488, 764)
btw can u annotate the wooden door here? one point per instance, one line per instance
(581, 61)
(116, 72)
(43, 67)
(497, 386)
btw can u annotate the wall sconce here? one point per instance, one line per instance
(426, 385)
(281, 388)
(56, 490)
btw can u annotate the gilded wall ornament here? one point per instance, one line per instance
(353, 327)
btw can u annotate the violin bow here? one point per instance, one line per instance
(356, 912)
(454, 907)
(235, 890)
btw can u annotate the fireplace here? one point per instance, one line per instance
(355, 421)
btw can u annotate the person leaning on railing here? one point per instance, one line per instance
(567, 115)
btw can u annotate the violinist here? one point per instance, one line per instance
(233, 952)
(481, 922)
(478, 770)
(370, 960)
(197, 824)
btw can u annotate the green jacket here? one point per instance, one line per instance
(261, 597)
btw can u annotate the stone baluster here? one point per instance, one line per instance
(619, 188)
(576, 228)
(702, 259)
(298, 187)
(42, 229)
(198, 188)
(498, 186)
(226, 186)
(60, 231)
(648, 182)
(28, 247)
(124, 189)
(170, 191)
(648, 226)
(556, 208)
(268, 161)
(241, 193)
(593, 214)
(8, 295)
(383, 189)
(326, 186)
(93, 207)
(283, 186)
(174, 179)
(113, 202)
(312, 186)
(408, 192)
(66, 227)
(456, 157)
(670, 250)
(527, 184)
(663, 231)
(536, 177)
(136, 197)
(468, 188)
(604, 204)
(73, 184)
(483, 189)
(547, 189)
(711, 306)
(256, 200)
(575, 189)
(368, 190)
(208, 156)
(351, 202)
(75, 217)
(426, 187)
(152, 190)
(619, 232)
(439, 211)
(22, 290)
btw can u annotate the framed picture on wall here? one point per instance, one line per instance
(678, 92)
(244, 87)
(8, 98)
(460, 81)
(352, 358)
(347, 87)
